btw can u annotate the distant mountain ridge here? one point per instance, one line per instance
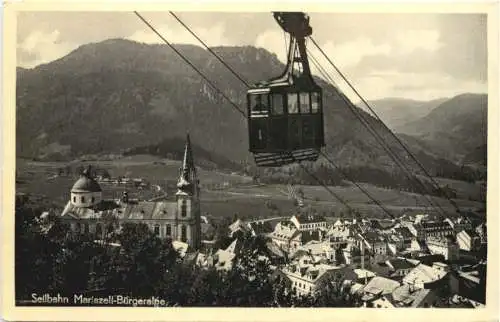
(118, 95)
(455, 128)
(399, 111)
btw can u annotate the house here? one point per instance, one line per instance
(283, 235)
(409, 296)
(305, 222)
(445, 246)
(289, 238)
(363, 276)
(306, 279)
(180, 247)
(223, 260)
(339, 223)
(436, 229)
(405, 235)
(396, 241)
(323, 249)
(375, 242)
(423, 276)
(416, 230)
(420, 217)
(355, 256)
(239, 228)
(378, 287)
(261, 228)
(392, 249)
(468, 240)
(459, 224)
(382, 224)
(399, 267)
(481, 231)
(338, 234)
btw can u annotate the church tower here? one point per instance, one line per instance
(188, 201)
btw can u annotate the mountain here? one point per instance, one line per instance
(399, 111)
(119, 95)
(456, 129)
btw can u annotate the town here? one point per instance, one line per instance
(416, 260)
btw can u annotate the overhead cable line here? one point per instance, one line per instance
(330, 191)
(377, 136)
(234, 104)
(321, 69)
(330, 161)
(389, 130)
(210, 49)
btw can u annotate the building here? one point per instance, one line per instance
(376, 242)
(178, 219)
(285, 235)
(409, 296)
(375, 291)
(405, 234)
(323, 249)
(305, 222)
(307, 278)
(424, 276)
(459, 224)
(436, 229)
(399, 267)
(445, 246)
(355, 256)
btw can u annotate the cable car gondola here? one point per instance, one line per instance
(285, 114)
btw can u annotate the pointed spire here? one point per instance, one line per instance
(188, 170)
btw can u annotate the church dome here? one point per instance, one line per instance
(86, 184)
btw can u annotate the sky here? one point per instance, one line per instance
(414, 56)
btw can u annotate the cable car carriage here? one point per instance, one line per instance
(285, 114)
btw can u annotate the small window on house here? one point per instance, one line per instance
(83, 199)
(74, 199)
(157, 230)
(92, 199)
(169, 230)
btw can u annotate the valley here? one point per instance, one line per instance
(224, 194)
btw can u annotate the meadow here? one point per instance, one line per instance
(229, 194)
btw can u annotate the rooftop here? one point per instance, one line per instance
(400, 263)
(121, 210)
(86, 183)
(423, 274)
(407, 296)
(309, 218)
(380, 286)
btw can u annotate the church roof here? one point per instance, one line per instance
(86, 183)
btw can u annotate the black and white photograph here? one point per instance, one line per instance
(240, 159)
